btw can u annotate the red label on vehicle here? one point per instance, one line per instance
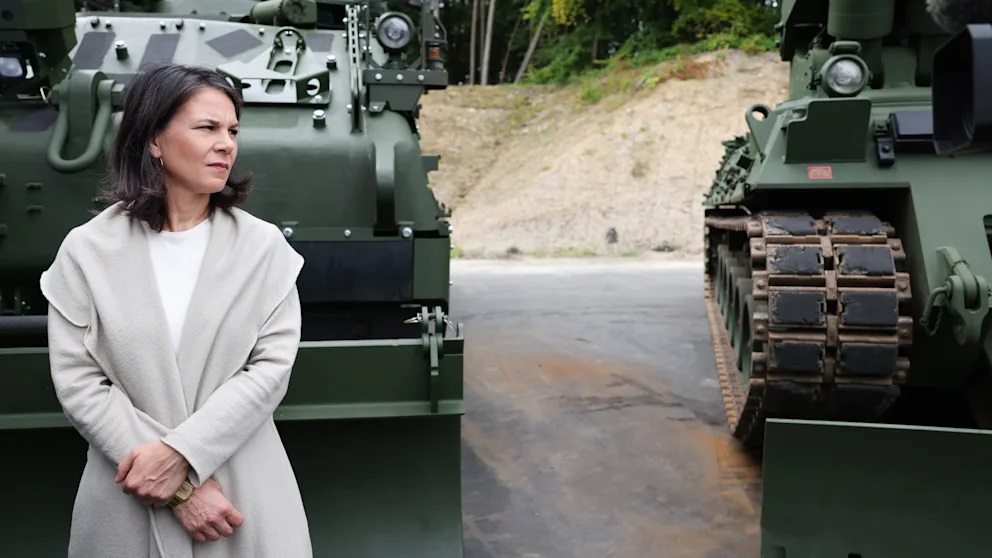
(820, 173)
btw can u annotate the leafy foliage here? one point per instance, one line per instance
(566, 12)
(582, 36)
(698, 20)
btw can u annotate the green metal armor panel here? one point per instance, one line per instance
(874, 491)
(371, 420)
(848, 245)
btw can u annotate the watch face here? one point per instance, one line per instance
(185, 491)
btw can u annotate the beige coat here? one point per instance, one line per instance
(120, 384)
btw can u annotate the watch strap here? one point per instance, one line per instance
(184, 493)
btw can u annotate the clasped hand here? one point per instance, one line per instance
(153, 473)
(208, 514)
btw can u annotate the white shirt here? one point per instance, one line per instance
(176, 259)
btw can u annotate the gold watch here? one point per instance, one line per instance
(185, 491)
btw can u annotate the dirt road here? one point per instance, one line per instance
(595, 425)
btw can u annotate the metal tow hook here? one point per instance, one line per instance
(433, 344)
(964, 295)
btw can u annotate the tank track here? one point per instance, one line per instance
(810, 317)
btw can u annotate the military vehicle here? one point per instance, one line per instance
(848, 258)
(330, 130)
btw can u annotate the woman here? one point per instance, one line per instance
(173, 322)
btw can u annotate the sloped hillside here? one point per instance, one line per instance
(547, 171)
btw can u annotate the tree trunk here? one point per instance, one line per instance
(489, 42)
(530, 49)
(509, 49)
(482, 36)
(471, 54)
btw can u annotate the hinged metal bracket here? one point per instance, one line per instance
(283, 75)
(964, 295)
(433, 328)
(356, 59)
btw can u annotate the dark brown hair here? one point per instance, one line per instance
(150, 101)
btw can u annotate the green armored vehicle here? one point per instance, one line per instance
(848, 258)
(371, 421)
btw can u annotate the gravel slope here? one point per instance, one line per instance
(539, 171)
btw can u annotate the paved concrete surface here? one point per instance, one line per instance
(594, 423)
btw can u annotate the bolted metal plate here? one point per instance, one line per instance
(234, 43)
(161, 47)
(795, 259)
(799, 308)
(856, 224)
(790, 226)
(867, 359)
(342, 271)
(320, 42)
(861, 308)
(873, 260)
(93, 49)
(795, 357)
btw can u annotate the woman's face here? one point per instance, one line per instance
(198, 147)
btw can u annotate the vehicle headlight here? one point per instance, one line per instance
(14, 61)
(844, 76)
(11, 67)
(394, 31)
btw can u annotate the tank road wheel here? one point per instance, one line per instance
(734, 275)
(724, 281)
(746, 357)
(818, 326)
(728, 262)
(721, 270)
(742, 316)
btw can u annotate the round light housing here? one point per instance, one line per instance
(11, 68)
(394, 31)
(844, 76)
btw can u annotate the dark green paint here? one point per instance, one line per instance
(372, 426)
(879, 491)
(933, 201)
(432, 282)
(372, 488)
(848, 120)
(379, 473)
(332, 380)
(837, 490)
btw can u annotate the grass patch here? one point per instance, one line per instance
(594, 86)
(522, 107)
(646, 58)
(575, 252)
(645, 70)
